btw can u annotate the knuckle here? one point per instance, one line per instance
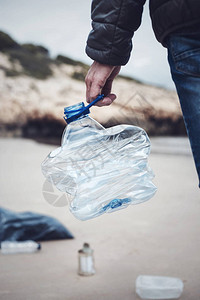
(87, 80)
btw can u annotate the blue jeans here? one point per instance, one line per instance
(184, 61)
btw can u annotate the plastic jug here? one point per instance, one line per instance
(102, 170)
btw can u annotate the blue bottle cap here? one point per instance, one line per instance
(74, 112)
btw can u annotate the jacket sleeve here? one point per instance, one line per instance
(113, 25)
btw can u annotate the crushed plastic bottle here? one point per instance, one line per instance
(101, 170)
(14, 247)
(158, 287)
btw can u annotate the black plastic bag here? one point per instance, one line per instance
(15, 226)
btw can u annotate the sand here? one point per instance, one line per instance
(159, 237)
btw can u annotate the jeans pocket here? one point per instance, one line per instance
(189, 63)
(186, 54)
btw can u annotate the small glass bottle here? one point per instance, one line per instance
(86, 261)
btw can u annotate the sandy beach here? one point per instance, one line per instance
(158, 237)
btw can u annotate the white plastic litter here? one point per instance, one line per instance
(13, 247)
(158, 287)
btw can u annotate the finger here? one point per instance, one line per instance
(88, 87)
(107, 100)
(95, 89)
(107, 87)
(88, 83)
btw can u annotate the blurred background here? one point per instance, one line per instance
(42, 69)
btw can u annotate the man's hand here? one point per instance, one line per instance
(99, 81)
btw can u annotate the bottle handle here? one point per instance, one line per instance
(100, 97)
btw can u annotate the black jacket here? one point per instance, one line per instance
(115, 21)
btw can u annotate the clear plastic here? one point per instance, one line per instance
(13, 247)
(101, 170)
(158, 287)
